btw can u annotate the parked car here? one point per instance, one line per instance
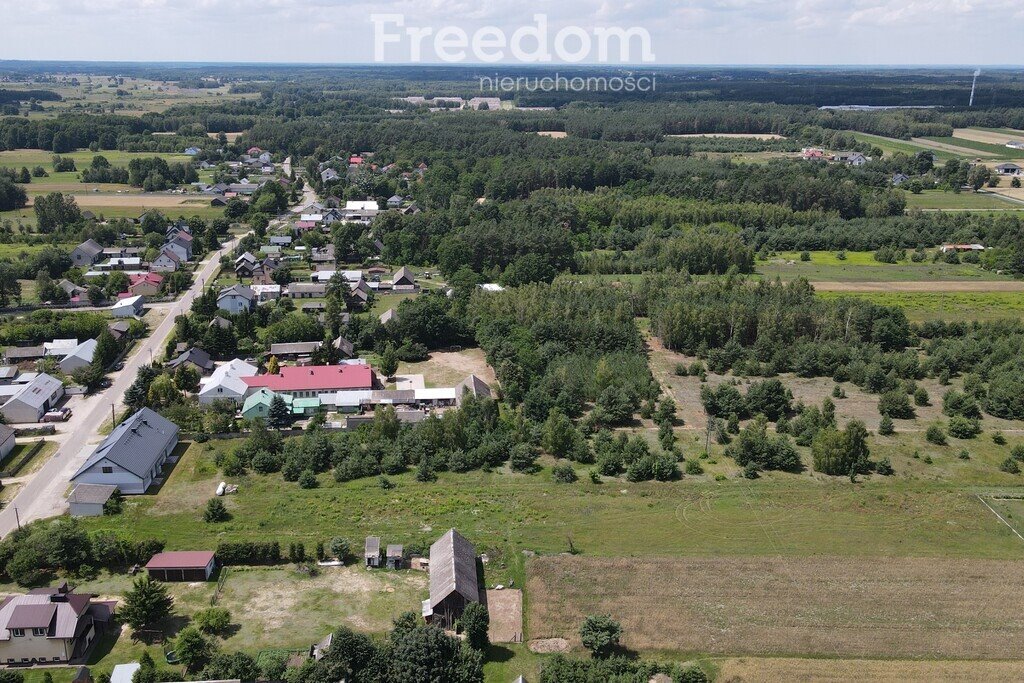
(61, 415)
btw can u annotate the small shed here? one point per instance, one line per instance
(190, 565)
(371, 552)
(123, 673)
(393, 556)
(87, 500)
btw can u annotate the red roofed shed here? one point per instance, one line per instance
(188, 565)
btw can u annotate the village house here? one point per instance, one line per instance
(29, 401)
(86, 253)
(50, 625)
(1009, 169)
(316, 381)
(245, 265)
(197, 358)
(236, 298)
(133, 455)
(453, 580)
(395, 201)
(147, 284)
(167, 262)
(258, 404)
(181, 245)
(74, 292)
(226, 382)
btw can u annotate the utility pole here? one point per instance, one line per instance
(17, 517)
(113, 416)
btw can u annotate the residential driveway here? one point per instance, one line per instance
(45, 494)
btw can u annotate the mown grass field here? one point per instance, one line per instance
(37, 157)
(508, 512)
(942, 200)
(922, 306)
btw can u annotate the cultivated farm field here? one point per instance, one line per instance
(841, 607)
(771, 670)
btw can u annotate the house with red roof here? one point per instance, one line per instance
(147, 284)
(50, 625)
(315, 381)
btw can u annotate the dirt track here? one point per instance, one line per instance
(923, 286)
(932, 608)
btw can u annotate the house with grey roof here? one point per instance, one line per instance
(78, 357)
(236, 298)
(50, 626)
(195, 357)
(6, 441)
(86, 253)
(453, 580)
(134, 454)
(30, 401)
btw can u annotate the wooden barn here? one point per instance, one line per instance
(453, 580)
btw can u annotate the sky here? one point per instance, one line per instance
(963, 32)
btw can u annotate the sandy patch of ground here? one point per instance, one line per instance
(548, 645)
(756, 670)
(751, 136)
(506, 611)
(943, 147)
(230, 136)
(923, 286)
(932, 608)
(557, 134)
(987, 136)
(448, 368)
(1005, 190)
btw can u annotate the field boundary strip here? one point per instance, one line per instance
(999, 516)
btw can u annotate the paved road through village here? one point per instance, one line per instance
(44, 494)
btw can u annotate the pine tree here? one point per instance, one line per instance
(146, 603)
(279, 416)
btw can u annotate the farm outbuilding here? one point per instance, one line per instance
(189, 565)
(87, 500)
(371, 552)
(453, 580)
(393, 556)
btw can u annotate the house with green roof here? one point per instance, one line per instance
(306, 406)
(258, 404)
